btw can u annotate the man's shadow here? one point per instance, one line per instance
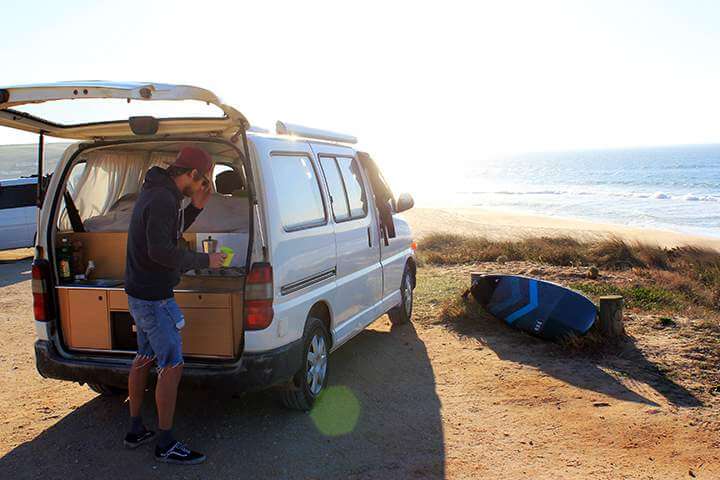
(379, 418)
(588, 371)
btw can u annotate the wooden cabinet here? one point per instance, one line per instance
(86, 322)
(213, 321)
(207, 332)
(117, 300)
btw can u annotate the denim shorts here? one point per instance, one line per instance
(158, 330)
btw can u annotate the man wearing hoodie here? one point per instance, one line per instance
(153, 268)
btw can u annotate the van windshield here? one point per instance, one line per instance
(71, 112)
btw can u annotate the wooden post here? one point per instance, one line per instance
(610, 322)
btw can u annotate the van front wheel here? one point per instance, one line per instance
(403, 312)
(310, 381)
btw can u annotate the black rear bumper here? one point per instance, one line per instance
(256, 371)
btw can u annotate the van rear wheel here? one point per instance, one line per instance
(403, 312)
(310, 381)
(107, 390)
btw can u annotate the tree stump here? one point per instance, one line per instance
(610, 322)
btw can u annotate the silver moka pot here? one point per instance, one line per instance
(209, 245)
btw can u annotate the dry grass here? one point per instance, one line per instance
(678, 276)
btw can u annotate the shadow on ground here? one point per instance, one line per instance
(14, 272)
(586, 371)
(380, 418)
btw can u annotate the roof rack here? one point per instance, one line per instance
(283, 128)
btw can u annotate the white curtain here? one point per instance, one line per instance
(107, 177)
(104, 194)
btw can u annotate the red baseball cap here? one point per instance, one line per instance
(194, 157)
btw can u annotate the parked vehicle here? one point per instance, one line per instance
(17, 212)
(319, 252)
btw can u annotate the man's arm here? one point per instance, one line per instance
(160, 235)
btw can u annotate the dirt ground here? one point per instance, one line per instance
(417, 401)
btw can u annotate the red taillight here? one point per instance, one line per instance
(259, 297)
(41, 296)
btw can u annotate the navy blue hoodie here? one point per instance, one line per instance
(154, 261)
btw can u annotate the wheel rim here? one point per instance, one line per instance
(316, 364)
(408, 295)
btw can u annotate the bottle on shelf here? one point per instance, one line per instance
(77, 258)
(65, 260)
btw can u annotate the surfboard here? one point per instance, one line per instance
(542, 308)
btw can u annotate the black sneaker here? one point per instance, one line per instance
(178, 454)
(134, 440)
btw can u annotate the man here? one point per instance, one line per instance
(154, 264)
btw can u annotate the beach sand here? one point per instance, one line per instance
(497, 225)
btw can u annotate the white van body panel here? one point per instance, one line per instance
(395, 255)
(359, 273)
(360, 291)
(296, 256)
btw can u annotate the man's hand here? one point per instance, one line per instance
(217, 259)
(200, 198)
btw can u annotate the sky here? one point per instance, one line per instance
(421, 84)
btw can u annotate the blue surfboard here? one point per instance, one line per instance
(542, 308)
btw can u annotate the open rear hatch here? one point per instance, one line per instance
(94, 315)
(14, 111)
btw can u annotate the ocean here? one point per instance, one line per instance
(671, 188)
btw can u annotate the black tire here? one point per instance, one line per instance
(302, 393)
(403, 313)
(107, 390)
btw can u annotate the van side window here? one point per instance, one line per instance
(338, 198)
(298, 190)
(354, 186)
(17, 196)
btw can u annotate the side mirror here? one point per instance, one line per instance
(404, 202)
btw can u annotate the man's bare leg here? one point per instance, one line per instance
(137, 382)
(166, 395)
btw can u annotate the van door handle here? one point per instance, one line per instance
(369, 238)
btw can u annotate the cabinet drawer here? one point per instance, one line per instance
(203, 300)
(117, 300)
(207, 332)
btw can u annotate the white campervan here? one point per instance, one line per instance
(17, 212)
(318, 252)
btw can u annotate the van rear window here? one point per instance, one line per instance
(298, 192)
